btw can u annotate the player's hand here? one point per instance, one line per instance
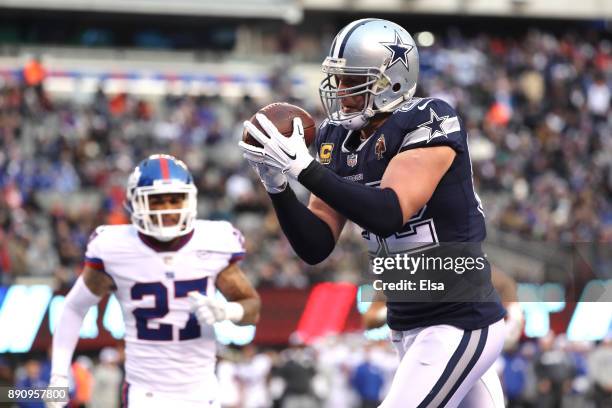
(273, 179)
(209, 310)
(288, 154)
(59, 381)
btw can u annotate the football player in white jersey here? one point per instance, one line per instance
(164, 269)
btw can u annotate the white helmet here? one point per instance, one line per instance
(385, 55)
(161, 174)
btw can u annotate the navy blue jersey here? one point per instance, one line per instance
(453, 214)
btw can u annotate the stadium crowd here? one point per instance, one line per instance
(538, 113)
(537, 109)
(349, 371)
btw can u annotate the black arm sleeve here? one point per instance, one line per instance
(310, 236)
(374, 209)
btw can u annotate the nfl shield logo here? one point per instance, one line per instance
(351, 160)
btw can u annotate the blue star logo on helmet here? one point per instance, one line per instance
(399, 51)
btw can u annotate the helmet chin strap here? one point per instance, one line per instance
(359, 121)
(355, 123)
(163, 234)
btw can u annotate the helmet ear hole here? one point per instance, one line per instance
(396, 87)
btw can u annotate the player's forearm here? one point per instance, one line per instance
(375, 316)
(252, 308)
(66, 334)
(310, 237)
(65, 339)
(374, 209)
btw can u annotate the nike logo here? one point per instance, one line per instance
(291, 156)
(421, 107)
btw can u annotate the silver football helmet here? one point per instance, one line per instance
(381, 52)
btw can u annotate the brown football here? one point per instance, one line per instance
(282, 114)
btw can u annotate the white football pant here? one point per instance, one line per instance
(444, 366)
(135, 396)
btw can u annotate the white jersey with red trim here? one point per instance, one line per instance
(166, 348)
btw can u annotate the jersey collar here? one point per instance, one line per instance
(171, 246)
(346, 139)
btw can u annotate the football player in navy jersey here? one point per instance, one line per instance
(399, 167)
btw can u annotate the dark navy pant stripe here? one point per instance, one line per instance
(471, 364)
(450, 366)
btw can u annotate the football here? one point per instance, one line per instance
(282, 114)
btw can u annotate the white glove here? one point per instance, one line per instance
(273, 180)
(288, 154)
(209, 310)
(57, 381)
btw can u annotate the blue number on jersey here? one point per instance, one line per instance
(160, 294)
(143, 314)
(181, 289)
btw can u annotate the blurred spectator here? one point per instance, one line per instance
(32, 376)
(107, 380)
(229, 390)
(517, 377)
(297, 372)
(83, 381)
(367, 379)
(600, 373)
(336, 360)
(6, 373)
(34, 73)
(253, 373)
(5, 260)
(598, 97)
(555, 371)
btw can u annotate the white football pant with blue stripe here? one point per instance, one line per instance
(444, 366)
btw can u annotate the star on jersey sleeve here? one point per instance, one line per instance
(434, 123)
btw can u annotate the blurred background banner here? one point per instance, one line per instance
(281, 9)
(88, 89)
(289, 9)
(28, 314)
